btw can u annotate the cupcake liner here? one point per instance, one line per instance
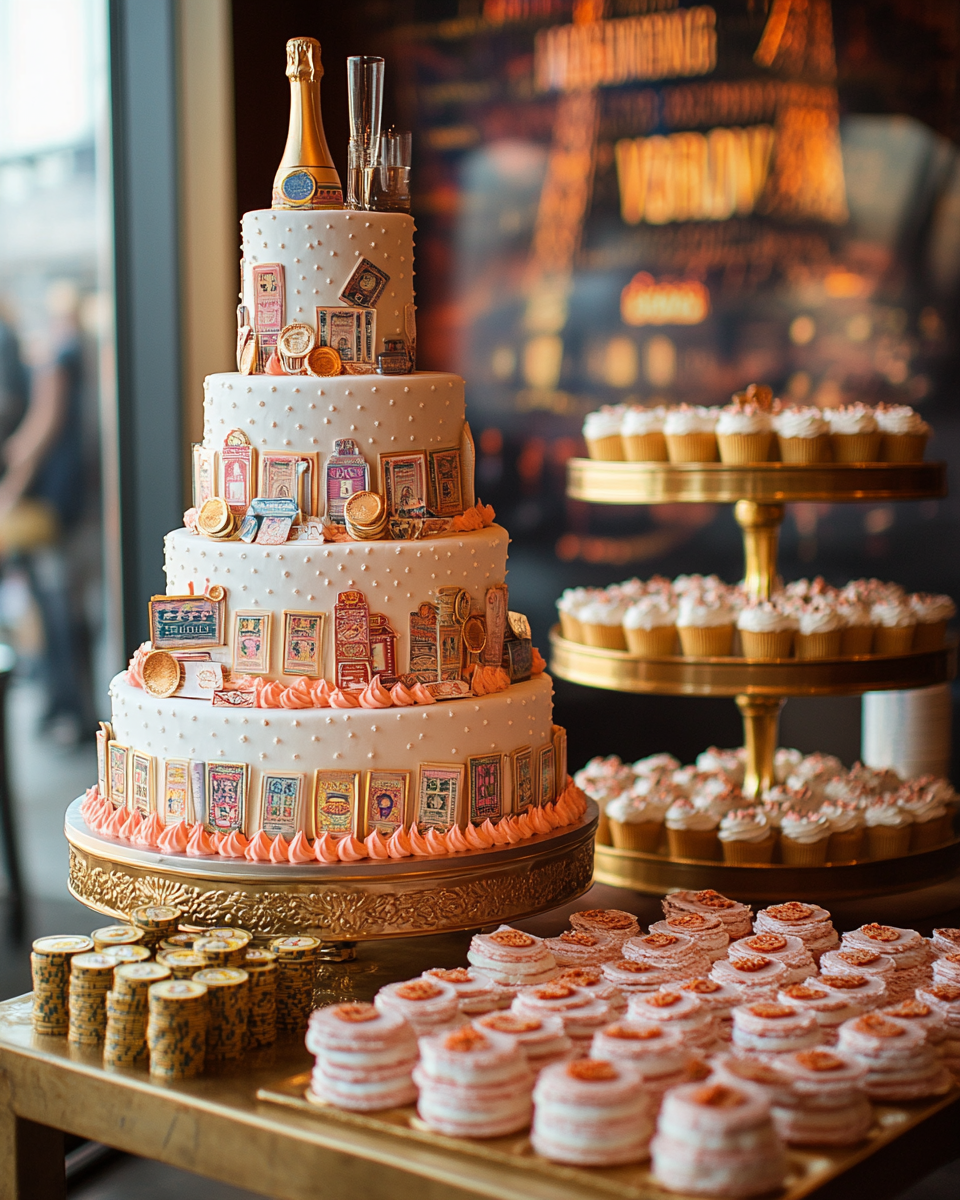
(929, 636)
(803, 854)
(570, 627)
(805, 450)
(924, 835)
(701, 844)
(819, 645)
(706, 641)
(855, 447)
(603, 836)
(768, 644)
(645, 447)
(846, 846)
(903, 447)
(740, 448)
(642, 835)
(608, 637)
(897, 639)
(606, 449)
(856, 640)
(885, 841)
(749, 852)
(652, 643)
(691, 447)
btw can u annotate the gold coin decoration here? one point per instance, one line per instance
(214, 516)
(215, 592)
(161, 673)
(296, 340)
(323, 361)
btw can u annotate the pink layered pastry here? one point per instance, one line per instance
(541, 1039)
(918, 1014)
(899, 1061)
(476, 993)
(859, 962)
(808, 922)
(592, 980)
(670, 952)
(755, 1071)
(788, 950)
(680, 1012)
(581, 1012)
(829, 1009)
(364, 1057)
(767, 1027)
(428, 1004)
(734, 915)
(512, 957)
(473, 1084)
(634, 978)
(708, 932)
(828, 1106)
(657, 1053)
(868, 991)
(716, 1140)
(577, 948)
(609, 922)
(757, 978)
(719, 999)
(591, 1113)
(945, 941)
(910, 953)
(944, 999)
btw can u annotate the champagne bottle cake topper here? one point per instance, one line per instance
(306, 177)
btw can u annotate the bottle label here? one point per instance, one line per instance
(300, 189)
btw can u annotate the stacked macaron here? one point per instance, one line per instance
(606, 922)
(591, 1112)
(364, 1057)
(736, 917)
(541, 1039)
(674, 953)
(869, 963)
(719, 999)
(577, 948)
(900, 1064)
(810, 923)
(829, 1009)
(768, 1027)
(476, 993)
(910, 953)
(868, 992)
(581, 1013)
(636, 978)
(944, 999)
(827, 1106)
(705, 930)
(428, 1004)
(656, 1052)
(592, 980)
(512, 957)
(784, 949)
(754, 977)
(680, 1012)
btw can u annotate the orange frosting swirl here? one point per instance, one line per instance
(349, 849)
(325, 848)
(538, 663)
(398, 845)
(473, 837)
(400, 696)
(234, 845)
(299, 695)
(258, 848)
(270, 693)
(375, 845)
(174, 838)
(417, 845)
(130, 827)
(200, 845)
(280, 850)
(421, 695)
(375, 695)
(436, 843)
(456, 842)
(149, 832)
(341, 699)
(300, 850)
(525, 826)
(321, 694)
(135, 666)
(113, 823)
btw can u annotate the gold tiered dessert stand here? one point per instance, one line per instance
(760, 688)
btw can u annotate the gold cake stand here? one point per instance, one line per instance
(343, 903)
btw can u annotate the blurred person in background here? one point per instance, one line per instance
(44, 494)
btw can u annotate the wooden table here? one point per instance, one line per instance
(216, 1127)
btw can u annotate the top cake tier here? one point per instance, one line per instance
(319, 252)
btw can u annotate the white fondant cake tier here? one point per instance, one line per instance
(301, 414)
(395, 578)
(304, 740)
(319, 251)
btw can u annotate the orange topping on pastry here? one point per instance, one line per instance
(703, 987)
(512, 937)
(555, 991)
(465, 1039)
(765, 943)
(580, 976)
(819, 1060)
(756, 1072)
(577, 938)
(662, 999)
(859, 958)
(418, 989)
(628, 964)
(609, 918)
(952, 934)
(592, 1070)
(878, 1026)
(712, 899)
(659, 940)
(880, 933)
(452, 974)
(944, 991)
(799, 991)
(696, 1071)
(793, 910)
(718, 1095)
(750, 964)
(356, 1012)
(687, 921)
(509, 1023)
(952, 958)
(627, 1034)
(844, 983)
(908, 1009)
(773, 1012)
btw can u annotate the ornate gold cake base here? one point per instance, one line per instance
(348, 903)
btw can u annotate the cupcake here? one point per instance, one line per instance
(894, 623)
(744, 434)
(903, 433)
(655, 764)
(746, 836)
(601, 432)
(766, 631)
(928, 814)
(820, 632)
(856, 628)
(650, 627)
(731, 764)
(690, 434)
(602, 623)
(888, 828)
(705, 625)
(642, 434)
(932, 614)
(802, 435)
(785, 762)
(635, 823)
(692, 832)
(568, 610)
(854, 436)
(804, 838)
(847, 830)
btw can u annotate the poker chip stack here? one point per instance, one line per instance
(365, 515)
(183, 964)
(228, 1004)
(221, 951)
(126, 954)
(90, 978)
(125, 1044)
(158, 921)
(50, 965)
(178, 941)
(298, 959)
(116, 935)
(261, 966)
(177, 1028)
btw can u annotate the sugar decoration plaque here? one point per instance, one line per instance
(226, 796)
(346, 472)
(403, 482)
(546, 774)
(175, 798)
(238, 474)
(446, 492)
(204, 474)
(268, 306)
(439, 796)
(560, 758)
(495, 616)
(424, 648)
(185, 622)
(142, 795)
(302, 643)
(485, 778)
(521, 779)
(366, 284)
(335, 795)
(251, 642)
(281, 801)
(351, 331)
(117, 755)
(385, 799)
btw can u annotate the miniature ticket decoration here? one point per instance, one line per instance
(446, 492)
(268, 305)
(403, 482)
(204, 474)
(176, 791)
(485, 773)
(560, 762)
(226, 797)
(351, 331)
(251, 642)
(385, 801)
(345, 473)
(237, 471)
(281, 799)
(365, 285)
(142, 795)
(117, 773)
(335, 796)
(439, 795)
(185, 622)
(547, 774)
(496, 607)
(424, 645)
(521, 770)
(302, 643)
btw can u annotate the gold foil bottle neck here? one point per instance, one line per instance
(306, 177)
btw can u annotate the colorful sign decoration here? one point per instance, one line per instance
(238, 473)
(446, 491)
(521, 778)
(142, 795)
(546, 774)
(365, 643)
(281, 797)
(268, 305)
(403, 483)
(439, 795)
(117, 771)
(251, 642)
(176, 791)
(385, 801)
(185, 622)
(352, 332)
(335, 796)
(302, 643)
(424, 647)
(226, 795)
(346, 471)
(485, 775)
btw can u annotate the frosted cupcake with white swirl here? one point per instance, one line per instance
(933, 613)
(650, 626)
(854, 435)
(820, 632)
(602, 623)
(894, 623)
(601, 432)
(888, 828)
(744, 434)
(803, 839)
(705, 624)
(903, 433)
(766, 630)
(690, 434)
(803, 435)
(692, 832)
(746, 836)
(642, 434)
(635, 823)
(856, 632)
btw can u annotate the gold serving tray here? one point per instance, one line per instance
(809, 1169)
(766, 483)
(618, 670)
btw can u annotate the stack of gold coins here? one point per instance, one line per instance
(179, 941)
(298, 959)
(365, 515)
(261, 966)
(228, 1004)
(183, 963)
(157, 921)
(116, 935)
(90, 978)
(216, 519)
(221, 951)
(125, 1044)
(229, 931)
(50, 965)
(126, 954)
(177, 1028)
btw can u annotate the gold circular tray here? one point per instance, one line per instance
(655, 874)
(618, 670)
(769, 483)
(346, 902)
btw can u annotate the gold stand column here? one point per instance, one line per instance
(761, 722)
(761, 534)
